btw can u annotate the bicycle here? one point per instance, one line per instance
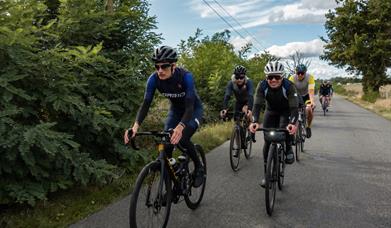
(240, 133)
(275, 165)
(325, 104)
(153, 191)
(300, 133)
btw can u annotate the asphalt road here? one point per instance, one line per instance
(342, 180)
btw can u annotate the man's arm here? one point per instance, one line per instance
(311, 89)
(148, 97)
(227, 95)
(259, 102)
(250, 91)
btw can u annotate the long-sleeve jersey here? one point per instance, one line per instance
(179, 89)
(281, 100)
(325, 90)
(243, 94)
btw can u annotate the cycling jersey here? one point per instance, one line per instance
(303, 86)
(278, 100)
(243, 93)
(325, 90)
(186, 105)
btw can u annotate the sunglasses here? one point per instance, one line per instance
(300, 73)
(162, 66)
(277, 77)
(239, 78)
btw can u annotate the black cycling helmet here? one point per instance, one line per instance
(240, 70)
(301, 68)
(165, 54)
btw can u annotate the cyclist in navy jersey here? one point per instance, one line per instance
(243, 89)
(186, 109)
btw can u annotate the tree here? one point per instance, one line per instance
(295, 60)
(212, 61)
(359, 37)
(69, 81)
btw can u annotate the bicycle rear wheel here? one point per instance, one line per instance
(234, 149)
(249, 142)
(324, 106)
(271, 179)
(148, 206)
(194, 195)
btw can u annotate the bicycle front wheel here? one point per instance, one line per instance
(234, 149)
(271, 179)
(298, 143)
(150, 203)
(249, 142)
(194, 195)
(281, 168)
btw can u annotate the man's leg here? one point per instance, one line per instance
(290, 158)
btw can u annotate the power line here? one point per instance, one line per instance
(222, 18)
(237, 22)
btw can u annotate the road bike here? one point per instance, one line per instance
(325, 104)
(275, 165)
(241, 140)
(300, 135)
(163, 182)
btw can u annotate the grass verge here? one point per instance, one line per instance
(67, 207)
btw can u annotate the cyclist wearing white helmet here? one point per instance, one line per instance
(281, 109)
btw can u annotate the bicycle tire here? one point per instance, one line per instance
(235, 150)
(249, 142)
(194, 202)
(297, 144)
(150, 176)
(281, 168)
(303, 136)
(271, 179)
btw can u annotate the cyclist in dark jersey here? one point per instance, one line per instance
(281, 109)
(325, 90)
(243, 89)
(186, 109)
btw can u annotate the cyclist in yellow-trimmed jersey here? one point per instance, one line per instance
(305, 85)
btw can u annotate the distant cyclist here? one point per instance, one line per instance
(305, 85)
(325, 91)
(186, 109)
(281, 109)
(243, 89)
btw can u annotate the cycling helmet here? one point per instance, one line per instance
(274, 68)
(240, 70)
(301, 68)
(165, 54)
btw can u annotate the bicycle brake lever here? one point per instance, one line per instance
(132, 140)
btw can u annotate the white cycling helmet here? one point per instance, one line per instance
(274, 67)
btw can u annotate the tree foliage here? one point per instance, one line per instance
(212, 61)
(69, 77)
(359, 37)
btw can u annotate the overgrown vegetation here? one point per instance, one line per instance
(67, 207)
(68, 81)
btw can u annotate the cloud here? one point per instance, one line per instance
(256, 12)
(308, 49)
(239, 42)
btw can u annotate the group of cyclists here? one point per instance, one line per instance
(279, 98)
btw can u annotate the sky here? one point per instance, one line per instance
(280, 27)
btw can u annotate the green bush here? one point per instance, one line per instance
(63, 106)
